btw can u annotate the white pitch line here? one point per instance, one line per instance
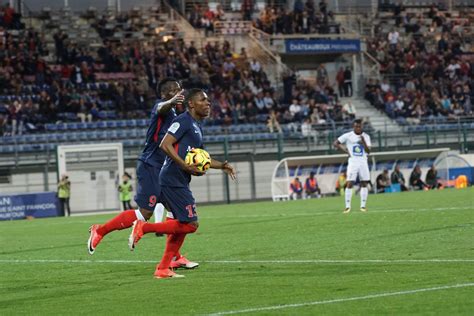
(342, 300)
(317, 261)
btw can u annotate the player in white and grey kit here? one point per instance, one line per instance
(357, 146)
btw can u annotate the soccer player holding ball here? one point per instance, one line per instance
(357, 146)
(183, 136)
(149, 166)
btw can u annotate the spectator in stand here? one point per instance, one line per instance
(321, 75)
(340, 82)
(348, 82)
(307, 130)
(382, 181)
(349, 111)
(296, 189)
(415, 179)
(311, 187)
(393, 38)
(247, 9)
(273, 123)
(431, 180)
(398, 178)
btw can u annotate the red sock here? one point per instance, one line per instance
(121, 221)
(177, 255)
(173, 244)
(169, 227)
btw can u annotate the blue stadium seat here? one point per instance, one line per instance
(28, 139)
(261, 128)
(131, 123)
(220, 138)
(128, 142)
(51, 127)
(142, 122)
(292, 171)
(101, 124)
(50, 147)
(51, 137)
(72, 126)
(72, 137)
(102, 135)
(41, 138)
(111, 115)
(141, 132)
(112, 134)
(9, 140)
(5, 149)
(121, 124)
(406, 164)
(82, 125)
(71, 116)
(111, 124)
(61, 127)
(84, 136)
(122, 134)
(425, 163)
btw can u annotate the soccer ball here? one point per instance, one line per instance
(200, 157)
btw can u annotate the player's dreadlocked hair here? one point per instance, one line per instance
(357, 121)
(164, 85)
(192, 93)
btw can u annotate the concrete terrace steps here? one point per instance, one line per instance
(379, 120)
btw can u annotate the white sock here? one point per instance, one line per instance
(348, 197)
(159, 210)
(364, 192)
(139, 215)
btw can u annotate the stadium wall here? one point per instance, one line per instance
(253, 183)
(100, 194)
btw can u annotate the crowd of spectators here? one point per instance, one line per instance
(118, 80)
(305, 18)
(427, 62)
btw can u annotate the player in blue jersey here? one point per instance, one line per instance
(184, 134)
(149, 165)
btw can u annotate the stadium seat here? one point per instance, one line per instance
(51, 127)
(82, 126)
(121, 124)
(6, 149)
(111, 124)
(131, 123)
(72, 126)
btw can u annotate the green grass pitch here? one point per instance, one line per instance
(411, 253)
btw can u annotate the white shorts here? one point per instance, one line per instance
(358, 168)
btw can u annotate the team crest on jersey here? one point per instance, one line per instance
(357, 150)
(197, 130)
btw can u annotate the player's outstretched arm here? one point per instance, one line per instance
(167, 146)
(224, 166)
(166, 106)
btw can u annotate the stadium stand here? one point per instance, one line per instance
(86, 94)
(426, 57)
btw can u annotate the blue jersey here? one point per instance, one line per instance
(159, 124)
(188, 133)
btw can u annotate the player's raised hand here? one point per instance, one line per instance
(178, 98)
(229, 170)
